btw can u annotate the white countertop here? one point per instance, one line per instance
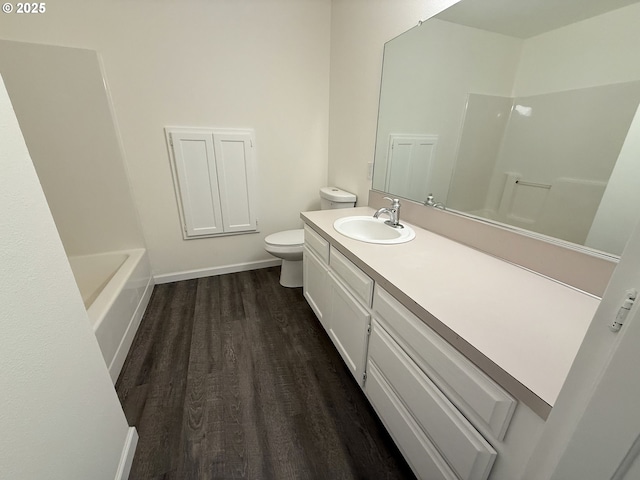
(527, 325)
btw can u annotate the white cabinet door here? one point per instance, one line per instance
(234, 164)
(409, 166)
(315, 285)
(214, 176)
(348, 327)
(197, 183)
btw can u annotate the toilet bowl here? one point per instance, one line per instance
(288, 245)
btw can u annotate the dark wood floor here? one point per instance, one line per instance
(233, 377)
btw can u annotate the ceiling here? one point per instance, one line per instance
(526, 18)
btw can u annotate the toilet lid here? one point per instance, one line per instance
(286, 238)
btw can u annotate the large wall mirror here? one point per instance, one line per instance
(521, 112)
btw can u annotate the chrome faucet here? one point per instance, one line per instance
(393, 212)
(430, 202)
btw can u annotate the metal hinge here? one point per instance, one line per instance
(369, 329)
(171, 139)
(629, 299)
(364, 377)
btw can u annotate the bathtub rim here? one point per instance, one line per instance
(100, 307)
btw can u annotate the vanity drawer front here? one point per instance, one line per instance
(464, 449)
(359, 282)
(316, 243)
(421, 455)
(482, 401)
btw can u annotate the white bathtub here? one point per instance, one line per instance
(115, 288)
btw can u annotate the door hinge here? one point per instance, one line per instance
(171, 139)
(629, 299)
(364, 377)
(369, 329)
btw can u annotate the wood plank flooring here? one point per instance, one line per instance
(233, 377)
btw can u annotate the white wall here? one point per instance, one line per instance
(250, 63)
(60, 100)
(597, 51)
(359, 29)
(59, 414)
(614, 220)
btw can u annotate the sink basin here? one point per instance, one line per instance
(372, 230)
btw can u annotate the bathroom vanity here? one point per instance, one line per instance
(454, 348)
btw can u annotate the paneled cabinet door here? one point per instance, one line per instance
(348, 327)
(316, 285)
(214, 177)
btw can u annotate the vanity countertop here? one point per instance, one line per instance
(521, 328)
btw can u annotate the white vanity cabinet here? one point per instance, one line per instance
(417, 414)
(350, 293)
(478, 397)
(349, 325)
(340, 295)
(408, 395)
(437, 404)
(316, 274)
(450, 420)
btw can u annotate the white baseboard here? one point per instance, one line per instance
(209, 272)
(128, 451)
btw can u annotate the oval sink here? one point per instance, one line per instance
(372, 230)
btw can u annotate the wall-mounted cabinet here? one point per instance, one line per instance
(215, 180)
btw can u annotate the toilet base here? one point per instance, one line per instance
(291, 273)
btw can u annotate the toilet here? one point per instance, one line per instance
(288, 245)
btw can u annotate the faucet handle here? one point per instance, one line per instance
(395, 202)
(430, 200)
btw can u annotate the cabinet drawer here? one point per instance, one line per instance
(464, 449)
(358, 281)
(316, 243)
(481, 400)
(421, 455)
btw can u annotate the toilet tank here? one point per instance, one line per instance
(332, 197)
